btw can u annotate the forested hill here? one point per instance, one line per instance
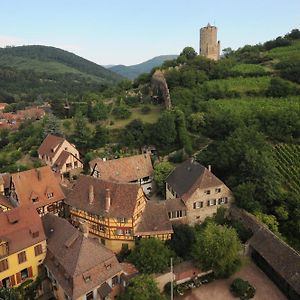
(29, 71)
(131, 72)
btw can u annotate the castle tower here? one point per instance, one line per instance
(209, 46)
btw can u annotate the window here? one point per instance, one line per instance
(198, 204)
(223, 200)
(108, 266)
(115, 280)
(89, 296)
(38, 250)
(3, 265)
(218, 190)
(22, 257)
(207, 192)
(127, 231)
(69, 165)
(6, 283)
(125, 247)
(75, 164)
(211, 202)
(122, 220)
(24, 274)
(49, 195)
(35, 199)
(119, 232)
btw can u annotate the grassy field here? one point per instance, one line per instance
(282, 53)
(242, 85)
(248, 69)
(255, 103)
(151, 117)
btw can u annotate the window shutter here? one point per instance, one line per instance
(19, 279)
(12, 280)
(30, 272)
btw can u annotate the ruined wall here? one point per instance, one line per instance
(159, 86)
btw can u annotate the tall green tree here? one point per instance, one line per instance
(151, 256)
(51, 126)
(82, 133)
(217, 248)
(161, 171)
(142, 287)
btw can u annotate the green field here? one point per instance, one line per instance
(288, 165)
(248, 69)
(282, 53)
(242, 85)
(151, 117)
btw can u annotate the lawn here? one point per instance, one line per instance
(151, 117)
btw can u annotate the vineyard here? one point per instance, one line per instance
(288, 158)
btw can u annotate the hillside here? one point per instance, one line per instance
(131, 72)
(29, 71)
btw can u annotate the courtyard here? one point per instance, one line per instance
(219, 289)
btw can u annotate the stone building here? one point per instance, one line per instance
(209, 46)
(193, 193)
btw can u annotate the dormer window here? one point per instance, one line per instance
(108, 266)
(50, 195)
(35, 199)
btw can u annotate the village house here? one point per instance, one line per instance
(77, 266)
(133, 169)
(39, 188)
(116, 213)
(22, 246)
(60, 155)
(193, 193)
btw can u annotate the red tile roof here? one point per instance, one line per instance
(124, 169)
(49, 144)
(5, 202)
(123, 197)
(154, 220)
(17, 227)
(78, 263)
(36, 183)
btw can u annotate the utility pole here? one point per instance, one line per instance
(172, 277)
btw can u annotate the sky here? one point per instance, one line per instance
(132, 31)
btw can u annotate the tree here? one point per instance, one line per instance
(188, 53)
(217, 247)
(100, 137)
(161, 171)
(183, 235)
(133, 135)
(151, 256)
(82, 132)
(165, 130)
(142, 287)
(196, 122)
(242, 289)
(52, 126)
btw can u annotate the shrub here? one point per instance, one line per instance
(145, 109)
(242, 289)
(121, 112)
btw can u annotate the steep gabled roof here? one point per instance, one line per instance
(123, 197)
(124, 169)
(189, 176)
(17, 227)
(78, 263)
(34, 183)
(154, 220)
(50, 143)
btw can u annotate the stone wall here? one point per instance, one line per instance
(159, 86)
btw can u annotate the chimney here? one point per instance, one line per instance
(91, 195)
(209, 168)
(107, 200)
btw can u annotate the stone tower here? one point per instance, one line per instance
(209, 46)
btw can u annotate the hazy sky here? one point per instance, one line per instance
(131, 31)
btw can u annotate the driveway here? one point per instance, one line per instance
(219, 289)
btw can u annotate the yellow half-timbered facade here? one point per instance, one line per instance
(22, 246)
(116, 213)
